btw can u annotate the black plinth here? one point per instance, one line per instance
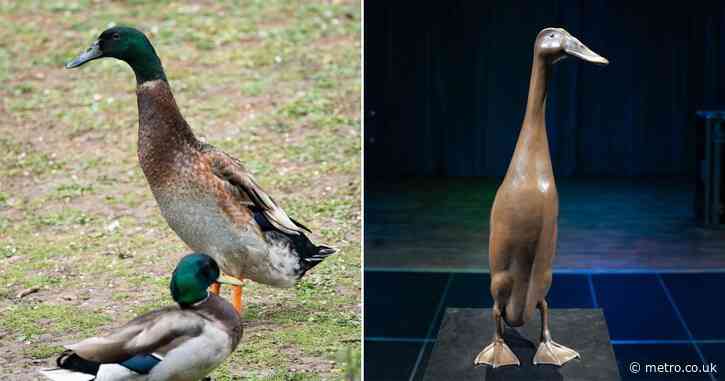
(465, 331)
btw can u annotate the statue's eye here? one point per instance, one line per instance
(551, 35)
(116, 36)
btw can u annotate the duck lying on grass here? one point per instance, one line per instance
(184, 342)
(206, 196)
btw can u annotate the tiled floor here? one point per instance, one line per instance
(652, 318)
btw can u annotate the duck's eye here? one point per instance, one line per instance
(551, 35)
(116, 36)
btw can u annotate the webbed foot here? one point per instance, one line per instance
(553, 353)
(497, 354)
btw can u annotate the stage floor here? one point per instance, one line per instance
(652, 318)
(605, 225)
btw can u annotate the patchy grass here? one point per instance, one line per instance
(273, 82)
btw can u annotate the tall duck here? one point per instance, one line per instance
(524, 216)
(206, 196)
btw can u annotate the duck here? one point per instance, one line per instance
(183, 342)
(207, 197)
(524, 216)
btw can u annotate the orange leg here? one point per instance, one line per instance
(237, 297)
(214, 288)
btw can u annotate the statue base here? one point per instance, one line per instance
(466, 331)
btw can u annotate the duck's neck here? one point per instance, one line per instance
(162, 129)
(146, 64)
(532, 147)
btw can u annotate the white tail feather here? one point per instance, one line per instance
(59, 374)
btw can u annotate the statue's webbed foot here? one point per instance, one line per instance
(553, 353)
(497, 354)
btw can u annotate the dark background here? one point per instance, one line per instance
(446, 85)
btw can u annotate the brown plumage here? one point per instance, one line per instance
(210, 200)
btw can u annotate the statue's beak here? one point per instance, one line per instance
(574, 47)
(90, 54)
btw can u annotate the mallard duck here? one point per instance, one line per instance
(522, 240)
(184, 342)
(206, 196)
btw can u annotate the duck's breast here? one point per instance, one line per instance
(224, 229)
(205, 227)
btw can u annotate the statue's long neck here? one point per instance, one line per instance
(536, 103)
(532, 147)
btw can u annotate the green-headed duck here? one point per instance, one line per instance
(206, 196)
(181, 342)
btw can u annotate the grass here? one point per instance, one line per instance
(272, 82)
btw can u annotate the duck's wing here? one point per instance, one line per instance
(233, 172)
(144, 334)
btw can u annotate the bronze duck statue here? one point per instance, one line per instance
(206, 196)
(522, 240)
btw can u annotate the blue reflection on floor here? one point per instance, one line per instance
(631, 303)
(651, 317)
(700, 301)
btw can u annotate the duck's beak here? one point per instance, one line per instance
(574, 47)
(90, 54)
(229, 280)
